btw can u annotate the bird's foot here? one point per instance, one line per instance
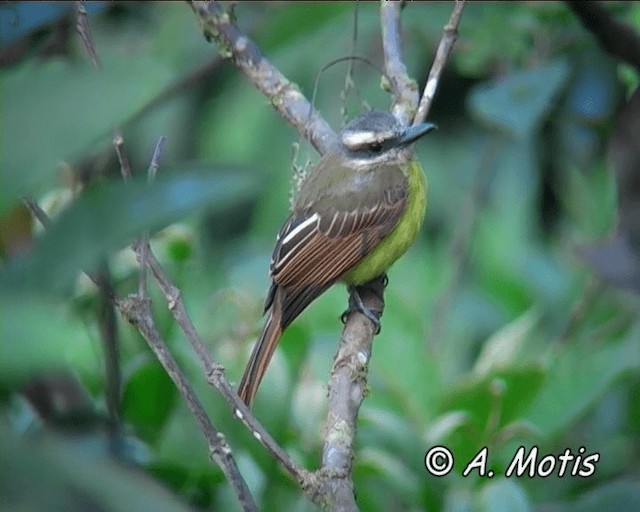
(356, 304)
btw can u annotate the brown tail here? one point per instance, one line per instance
(262, 353)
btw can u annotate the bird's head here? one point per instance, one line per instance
(378, 137)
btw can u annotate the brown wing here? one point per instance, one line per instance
(317, 246)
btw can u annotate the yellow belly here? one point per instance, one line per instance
(396, 243)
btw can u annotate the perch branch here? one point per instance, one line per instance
(347, 389)
(347, 384)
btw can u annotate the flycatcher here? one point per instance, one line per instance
(357, 211)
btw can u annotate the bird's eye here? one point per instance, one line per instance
(375, 147)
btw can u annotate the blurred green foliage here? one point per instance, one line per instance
(495, 333)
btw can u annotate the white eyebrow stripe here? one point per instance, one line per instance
(355, 139)
(300, 227)
(358, 138)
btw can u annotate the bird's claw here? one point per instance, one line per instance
(356, 304)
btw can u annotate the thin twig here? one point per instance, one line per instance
(107, 323)
(37, 212)
(285, 97)
(590, 293)
(123, 159)
(44, 219)
(102, 279)
(449, 36)
(215, 372)
(137, 310)
(349, 84)
(110, 342)
(142, 248)
(83, 28)
(403, 88)
(155, 159)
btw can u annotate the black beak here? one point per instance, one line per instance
(413, 133)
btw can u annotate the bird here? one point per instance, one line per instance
(356, 212)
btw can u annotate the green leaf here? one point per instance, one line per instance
(519, 102)
(620, 495)
(501, 394)
(54, 111)
(108, 216)
(444, 426)
(515, 386)
(181, 442)
(295, 23)
(389, 430)
(501, 349)
(48, 473)
(578, 377)
(590, 200)
(148, 398)
(38, 335)
(399, 480)
(503, 495)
